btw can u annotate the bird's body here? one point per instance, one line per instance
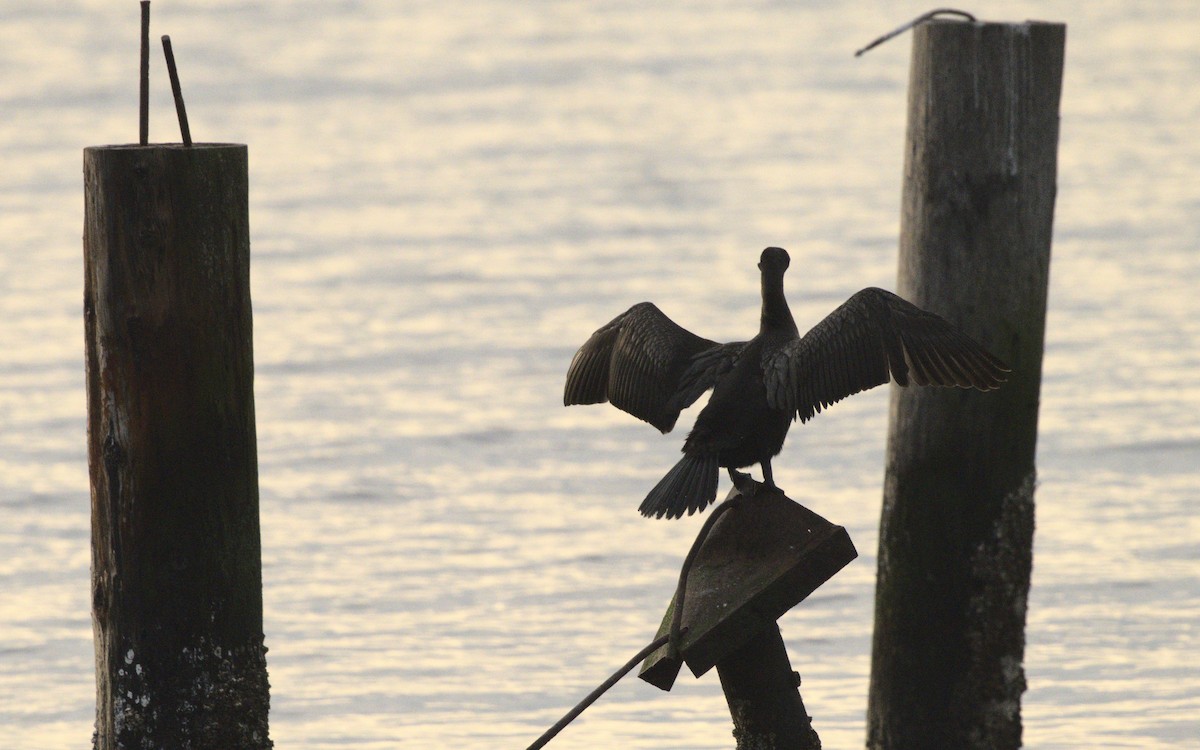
(645, 364)
(738, 424)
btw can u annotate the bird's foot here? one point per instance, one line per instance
(744, 483)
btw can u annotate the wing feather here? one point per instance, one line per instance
(704, 370)
(637, 362)
(873, 337)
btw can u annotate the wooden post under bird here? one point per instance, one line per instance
(760, 559)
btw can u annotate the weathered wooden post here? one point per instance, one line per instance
(176, 563)
(760, 559)
(763, 694)
(955, 548)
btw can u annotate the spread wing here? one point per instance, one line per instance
(637, 363)
(872, 337)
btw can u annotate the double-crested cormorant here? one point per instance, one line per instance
(647, 365)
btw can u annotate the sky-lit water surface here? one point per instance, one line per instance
(445, 201)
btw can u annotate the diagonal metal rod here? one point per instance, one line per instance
(591, 697)
(681, 587)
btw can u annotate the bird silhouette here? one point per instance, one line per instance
(644, 363)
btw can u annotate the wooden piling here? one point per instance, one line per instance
(763, 694)
(176, 568)
(955, 548)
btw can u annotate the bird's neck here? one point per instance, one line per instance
(775, 312)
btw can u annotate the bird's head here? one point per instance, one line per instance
(774, 259)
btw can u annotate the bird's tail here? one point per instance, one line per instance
(687, 488)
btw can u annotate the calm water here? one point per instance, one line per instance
(445, 200)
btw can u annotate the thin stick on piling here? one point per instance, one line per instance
(144, 79)
(180, 110)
